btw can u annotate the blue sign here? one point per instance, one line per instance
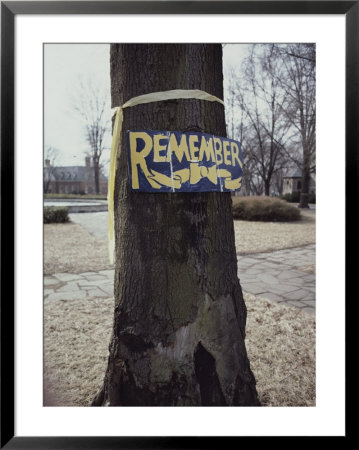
(171, 161)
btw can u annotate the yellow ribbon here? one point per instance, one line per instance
(193, 175)
(116, 139)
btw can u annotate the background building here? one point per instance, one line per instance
(72, 179)
(292, 182)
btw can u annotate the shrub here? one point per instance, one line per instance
(81, 194)
(56, 214)
(312, 198)
(294, 197)
(264, 209)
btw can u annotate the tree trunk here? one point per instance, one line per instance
(179, 321)
(267, 187)
(96, 168)
(304, 195)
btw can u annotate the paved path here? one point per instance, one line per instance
(71, 286)
(284, 276)
(96, 223)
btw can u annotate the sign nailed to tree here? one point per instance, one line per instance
(171, 161)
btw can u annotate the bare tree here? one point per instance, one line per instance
(91, 103)
(51, 154)
(261, 98)
(298, 81)
(239, 130)
(252, 179)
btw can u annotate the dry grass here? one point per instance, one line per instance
(76, 338)
(280, 343)
(68, 247)
(257, 237)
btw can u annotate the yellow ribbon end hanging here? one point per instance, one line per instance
(111, 181)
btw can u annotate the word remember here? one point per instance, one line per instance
(171, 161)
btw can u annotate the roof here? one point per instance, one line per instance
(74, 173)
(293, 173)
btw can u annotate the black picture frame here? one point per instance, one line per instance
(9, 9)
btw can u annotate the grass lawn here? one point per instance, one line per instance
(76, 196)
(280, 342)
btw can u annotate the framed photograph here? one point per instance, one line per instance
(35, 36)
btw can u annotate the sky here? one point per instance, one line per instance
(64, 66)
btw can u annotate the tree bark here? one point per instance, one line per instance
(304, 195)
(267, 187)
(179, 321)
(96, 168)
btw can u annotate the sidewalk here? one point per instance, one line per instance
(283, 276)
(71, 286)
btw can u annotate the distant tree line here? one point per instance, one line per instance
(272, 103)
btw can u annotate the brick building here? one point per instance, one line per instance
(72, 179)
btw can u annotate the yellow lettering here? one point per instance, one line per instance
(193, 139)
(207, 148)
(195, 173)
(138, 158)
(218, 150)
(226, 152)
(179, 149)
(235, 154)
(157, 147)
